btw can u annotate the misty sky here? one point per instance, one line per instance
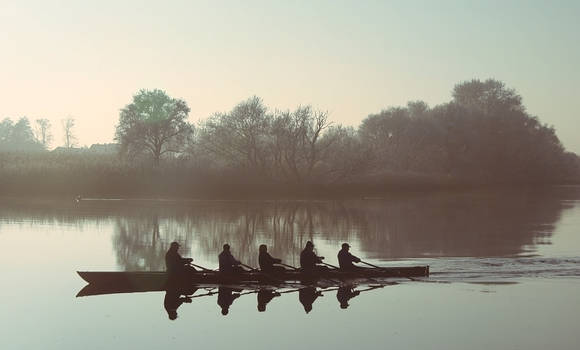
(352, 58)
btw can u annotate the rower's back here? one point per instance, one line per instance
(225, 258)
(307, 259)
(173, 261)
(346, 259)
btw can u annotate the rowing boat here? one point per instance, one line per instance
(161, 278)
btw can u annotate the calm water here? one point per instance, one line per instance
(505, 272)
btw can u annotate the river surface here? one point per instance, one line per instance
(505, 272)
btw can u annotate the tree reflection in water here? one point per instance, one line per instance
(475, 224)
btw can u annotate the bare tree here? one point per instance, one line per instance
(239, 137)
(69, 138)
(42, 132)
(296, 142)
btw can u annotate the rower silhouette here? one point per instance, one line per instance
(344, 294)
(226, 297)
(173, 300)
(264, 297)
(267, 262)
(346, 259)
(309, 259)
(307, 296)
(227, 262)
(175, 264)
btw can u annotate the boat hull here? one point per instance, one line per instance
(142, 281)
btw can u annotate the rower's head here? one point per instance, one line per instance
(309, 245)
(174, 246)
(172, 314)
(345, 246)
(226, 247)
(263, 248)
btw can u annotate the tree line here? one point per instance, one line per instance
(21, 136)
(484, 135)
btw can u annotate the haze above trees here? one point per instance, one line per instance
(484, 135)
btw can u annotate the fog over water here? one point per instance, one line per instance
(504, 270)
(439, 139)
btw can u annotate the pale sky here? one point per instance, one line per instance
(86, 59)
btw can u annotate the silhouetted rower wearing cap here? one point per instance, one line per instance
(174, 263)
(264, 297)
(307, 296)
(344, 294)
(309, 259)
(346, 259)
(228, 263)
(226, 297)
(267, 262)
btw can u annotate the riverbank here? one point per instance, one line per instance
(109, 176)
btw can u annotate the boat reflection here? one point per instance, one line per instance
(226, 295)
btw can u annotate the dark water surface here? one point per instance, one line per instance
(505, 272)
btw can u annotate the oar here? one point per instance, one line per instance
(297, 269)
(330, 279)
(328, 290)
(375, 266)
(202, 295)
(249, 267)
(269, 275)
(334, 267)
(250, 292)
(290, 291)
(201, 267)
(290, 266)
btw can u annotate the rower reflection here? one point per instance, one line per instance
(307, 296)
(344, 294)
(173, 300)
(226, 297)
(264, 297)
